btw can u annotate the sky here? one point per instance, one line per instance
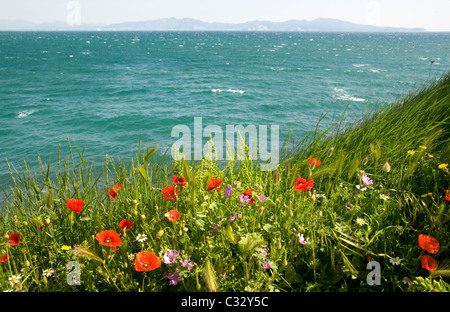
(430, 14)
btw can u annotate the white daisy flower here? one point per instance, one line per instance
(48, 272)
(395, 261)
(384, 197)
(14, 279)
(131, 256)
(141, 237)
(320, 196)
(360, 221)
(407, 280)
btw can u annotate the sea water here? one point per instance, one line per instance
(106, 91)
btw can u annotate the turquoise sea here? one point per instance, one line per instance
(108, 90)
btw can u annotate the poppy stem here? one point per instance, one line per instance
(71, 220)
(109, 274)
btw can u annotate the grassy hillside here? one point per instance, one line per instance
(373, 190)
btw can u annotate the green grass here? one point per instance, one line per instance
(231, 256)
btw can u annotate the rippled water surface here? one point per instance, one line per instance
(107, 90)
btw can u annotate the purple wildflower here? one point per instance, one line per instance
(186, 263)
(170, 256)
(261, 198)
(174, 277)
(244, 199)
(233, 217)
(266, 264)
(366, 180)
(216, 228)
(265, 251)
(227, 192)
(301, 239)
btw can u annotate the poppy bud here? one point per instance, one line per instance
(135, 213)
(25, 223)
(180, 232)
(291, 213)
(27, 264)
(159, 234)
(261, 210)
(142, 218)
(6, 236)
(386, 167)
(134, 202)
(365, 161)
(47, 221)
(330, 151)
(313, 198)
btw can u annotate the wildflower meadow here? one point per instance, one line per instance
(362, 207)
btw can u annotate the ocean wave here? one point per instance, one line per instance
(341, 94)
(24, 114)
(229, 90)
(360, 65)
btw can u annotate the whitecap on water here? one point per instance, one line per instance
(229, 90)
(360, 65)
(341, 94)
(24, 114)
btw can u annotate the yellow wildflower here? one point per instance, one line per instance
(423, 147)
(430, 156)
(65, 247)
(443, 166)
(411, 152)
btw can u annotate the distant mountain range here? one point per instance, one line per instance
(189, 24)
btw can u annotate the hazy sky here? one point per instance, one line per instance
(432, 15)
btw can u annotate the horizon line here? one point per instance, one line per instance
(99, 24)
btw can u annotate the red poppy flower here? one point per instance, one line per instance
(428, 263)
(109, 238)
(249, 193)
(213, 183)
(114, 190)
(173, 215)
(303, 185)
(447, 195)
(14, 239)
(125, 224)
(4, 258)
(75, 205)
(428, 243)
(178, 181)
(146, 261)
(318, 162)
(170, 192)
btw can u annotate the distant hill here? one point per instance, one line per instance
(189, 24)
